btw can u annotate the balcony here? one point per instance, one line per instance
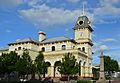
(59, 52)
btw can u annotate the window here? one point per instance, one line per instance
(15, 48)
(48, 64)
(19, 48)
(43, 49)
(83, 49)
(53, 48)
(81, 34)
(79, 48)
(73, 47)
(63, 47)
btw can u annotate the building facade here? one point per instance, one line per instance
(54, 49)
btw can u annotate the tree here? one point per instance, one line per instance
(40, 64)
(8, 61)
(69, 66)
(23, 66)
(110, 65)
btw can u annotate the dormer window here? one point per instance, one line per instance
(53, 48)
(43, 49)
(63, 47)
(80, 22)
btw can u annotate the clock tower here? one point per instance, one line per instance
(83, 38)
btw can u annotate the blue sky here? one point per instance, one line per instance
(25, 18)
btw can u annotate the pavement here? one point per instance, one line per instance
(116, 81)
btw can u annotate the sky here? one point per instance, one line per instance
(21, 19)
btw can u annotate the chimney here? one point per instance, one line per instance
(42, 36)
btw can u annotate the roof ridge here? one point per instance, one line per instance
(57, 37)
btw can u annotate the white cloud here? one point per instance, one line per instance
(98, 47)
(10, 3)
(103, 48)
(108, 2)
(46, 16)
(109, 40)
(107, 10)
(73, 1)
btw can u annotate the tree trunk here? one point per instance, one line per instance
(39, 76)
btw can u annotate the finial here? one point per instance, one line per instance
(101, 53)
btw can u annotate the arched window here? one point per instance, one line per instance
(79, 48)
(48, 64)
(15, 48)
(56, 64)
(80, 68)
(83, 49)
(43, 49)
(19, 48)
(84, 68)
(53, 48)
(63, 47)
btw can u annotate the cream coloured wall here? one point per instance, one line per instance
(58, 46)
(83, 33)
(24, 46)
(3, 52)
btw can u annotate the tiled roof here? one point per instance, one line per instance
(4, 49)
(86, 23)
(55, 39)
(25, 40)
(48, 40)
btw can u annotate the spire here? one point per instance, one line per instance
(83, 11)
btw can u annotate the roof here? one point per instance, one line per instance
(4, 49)
(85, 24)
(25, 40)
(55, 39)
(48, 40)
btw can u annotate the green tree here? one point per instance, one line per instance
(40, 64)
(69, 66)
(8, 61)
(23, 66)
(110, 65)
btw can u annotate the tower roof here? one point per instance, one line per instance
(83, 22)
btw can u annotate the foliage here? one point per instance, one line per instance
(69, 66)
(10, 62)
(95, 72)
(23, 66)
(40, 64)
(84, 81)
(7, 62)
(111, 65)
